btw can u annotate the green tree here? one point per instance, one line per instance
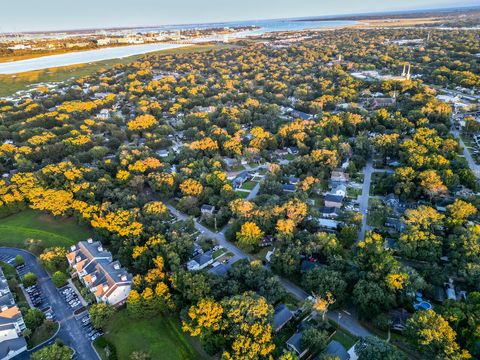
(34, 318)
(314, 339)
(322, 280)
(53, 352)
(373, 348)
(59, 278)
(433, 336)
(19, 260)
(100, 314)
(29, 279)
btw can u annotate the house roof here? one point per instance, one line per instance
(331, 224)
(289, 187)
(329, 210)
(207, 207)
(8, 346)
(204, 258)
(334, 348)
(281, 316)
(219, 270)
(333, 198)
(296, 341)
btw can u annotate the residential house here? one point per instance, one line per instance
(201, 261)
(281, 316)
(383, 102)
(339, 189)
(300, 114)
(95, 268)
(267, 240)
(329, 212)
(162, 153)
(207, 209)
(12, 342)
(328, 224)
(104, 114)
(339, 176)
(333, 201)
(289, 188)
(292, 150)
(294, 344)
(336, 350)
(240, 179)
(293, 180)
(219, 269)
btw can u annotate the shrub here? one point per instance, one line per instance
(29, 279)
(19, 260)
(59, 279)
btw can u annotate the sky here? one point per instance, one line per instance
(36, 15)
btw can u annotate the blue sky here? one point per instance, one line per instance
(22, 15)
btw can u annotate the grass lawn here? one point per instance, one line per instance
(289, 157)
(249, 185)
(161, 337)
(344, 338)
(242, 194)
(17, 229)
(353, 192)
(10, 84)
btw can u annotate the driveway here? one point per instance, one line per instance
(70, 330)
(363, 200)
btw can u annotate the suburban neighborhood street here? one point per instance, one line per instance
(471, 163)
(70, 331)
(343, 318)
(363, 200)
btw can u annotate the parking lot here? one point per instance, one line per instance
(70, 297)
(57, 304)
(88, 328)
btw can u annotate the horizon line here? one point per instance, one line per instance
(330, 17)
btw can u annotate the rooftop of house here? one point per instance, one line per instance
(8, 346)
(88, 249)
(219, 270)
(281, 316)
(333, 198)
(334, 348)
(288, 187)
(296, 341)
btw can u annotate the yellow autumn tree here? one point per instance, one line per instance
(191, 187)
(142, 122)
(249, 234)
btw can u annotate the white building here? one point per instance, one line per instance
(95, 268)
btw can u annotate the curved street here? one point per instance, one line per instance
(70, 330)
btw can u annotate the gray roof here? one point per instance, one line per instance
(204, 258)
(334, 198)
(336, 349)
(11, 345)
(296, 341)
(281, 316)
(219, 270)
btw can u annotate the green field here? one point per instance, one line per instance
(17, 230)
(10, 84)
(161, 337)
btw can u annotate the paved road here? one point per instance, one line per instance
(367, 180)
(471, 163)
(347, 320)
(254, 192)
(71, 333)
